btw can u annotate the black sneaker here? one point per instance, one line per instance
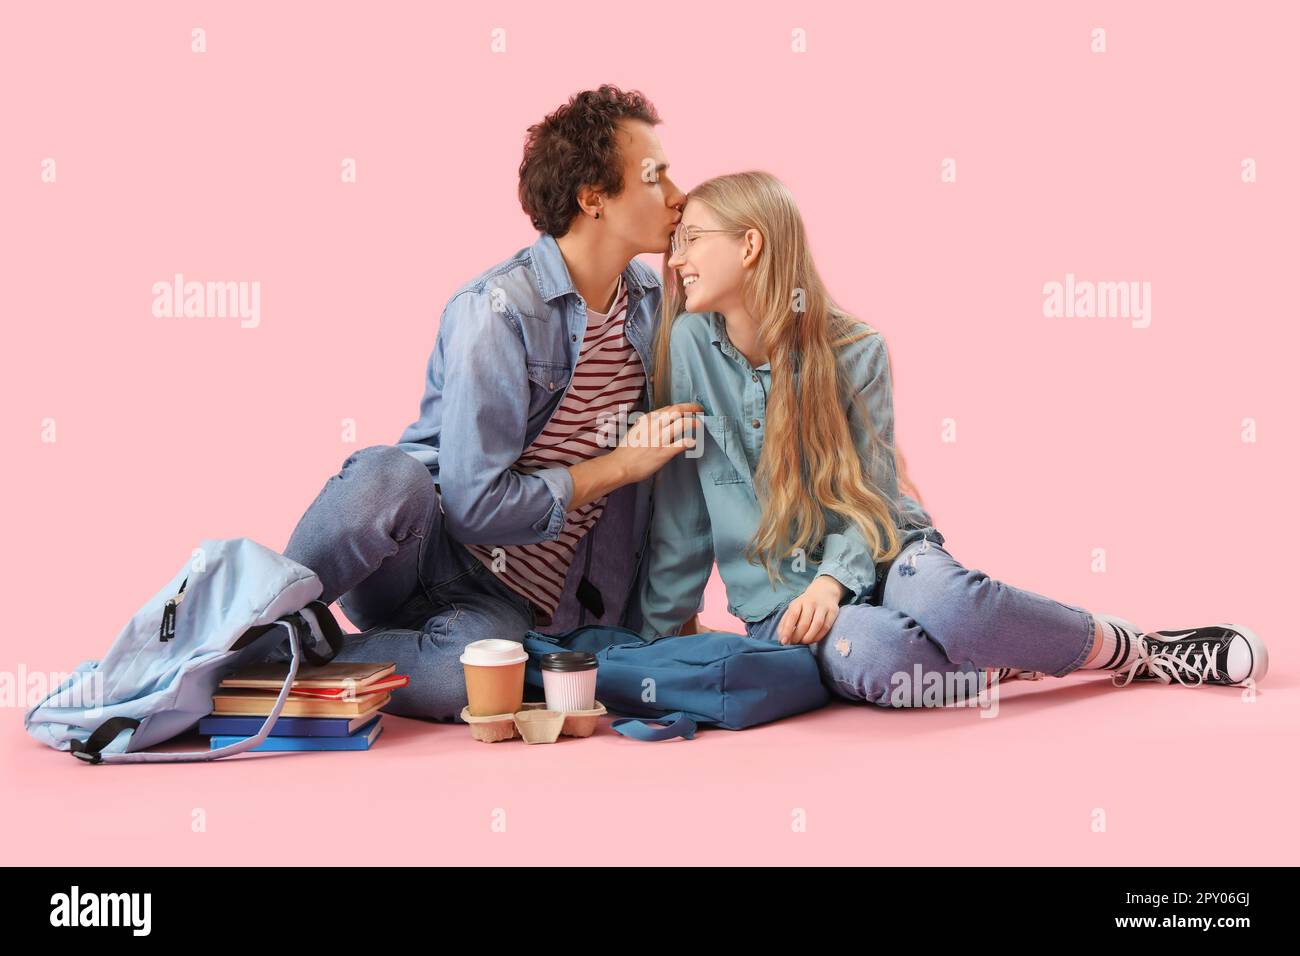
(1224, 654)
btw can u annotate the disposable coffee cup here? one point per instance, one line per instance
(569, 679)
(494, 676)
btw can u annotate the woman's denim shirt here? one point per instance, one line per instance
(706, 508)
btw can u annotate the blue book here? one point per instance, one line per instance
(361, 740)
(286, 726)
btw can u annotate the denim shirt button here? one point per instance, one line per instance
(573, 338)
(754, 422)
(754, 378)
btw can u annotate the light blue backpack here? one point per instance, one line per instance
(232, 604)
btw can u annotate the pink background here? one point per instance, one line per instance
(1073, 434)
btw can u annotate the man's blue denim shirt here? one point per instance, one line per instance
(507, 344)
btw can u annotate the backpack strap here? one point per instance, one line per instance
(667, 727)
(101, 737)
(91, 750)
(325, 630)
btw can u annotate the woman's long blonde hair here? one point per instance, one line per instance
(809, 465)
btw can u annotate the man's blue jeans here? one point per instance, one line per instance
(375, 538)
(947, 620)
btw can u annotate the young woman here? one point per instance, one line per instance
(794, 490)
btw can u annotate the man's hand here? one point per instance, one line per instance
(809, 617)
(657, 437)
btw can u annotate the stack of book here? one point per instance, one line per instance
(331, 707)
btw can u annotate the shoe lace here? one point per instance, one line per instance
(1168, 662)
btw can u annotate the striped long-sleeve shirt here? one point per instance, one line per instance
(607, 380)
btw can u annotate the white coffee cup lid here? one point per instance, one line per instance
(493, 652)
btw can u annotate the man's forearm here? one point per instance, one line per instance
(596, 477)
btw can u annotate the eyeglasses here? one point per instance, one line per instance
(681, 241)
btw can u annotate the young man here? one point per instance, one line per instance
(501, 509)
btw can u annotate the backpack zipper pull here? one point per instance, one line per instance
(167, 630)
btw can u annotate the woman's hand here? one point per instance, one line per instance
(809, 617)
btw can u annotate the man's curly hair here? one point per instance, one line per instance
(575, 147)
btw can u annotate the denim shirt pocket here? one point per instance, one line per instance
(547, 377)
(720, 445)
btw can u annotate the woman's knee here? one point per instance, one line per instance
(872, 653)
(958, 607)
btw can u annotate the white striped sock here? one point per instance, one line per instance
(1119, 640)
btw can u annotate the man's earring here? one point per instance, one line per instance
(598, 215)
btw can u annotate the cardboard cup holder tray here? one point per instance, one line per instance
(534, 723)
